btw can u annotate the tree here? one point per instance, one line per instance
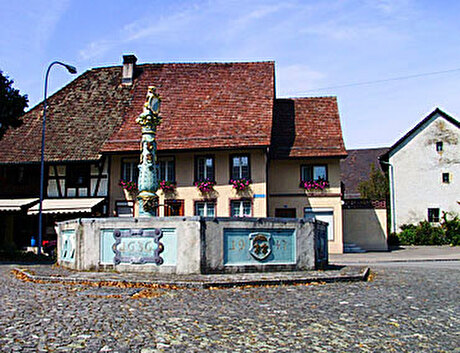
(376, 187)
(12, 105)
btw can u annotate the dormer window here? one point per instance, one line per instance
(439, 146)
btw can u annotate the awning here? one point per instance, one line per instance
(16, 204)
(73, 205)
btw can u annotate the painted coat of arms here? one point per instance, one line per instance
(260, 245)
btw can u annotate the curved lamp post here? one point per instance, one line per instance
(72, 70)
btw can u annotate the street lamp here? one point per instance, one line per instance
(72, 70)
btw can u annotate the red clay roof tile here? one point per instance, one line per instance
(307, 127)
(80, 117)
(207, 105)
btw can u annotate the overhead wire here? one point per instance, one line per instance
(385, 80)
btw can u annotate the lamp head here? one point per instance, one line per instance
(71, 69)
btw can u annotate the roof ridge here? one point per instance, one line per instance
(367, 148)
(188, 63)
(313, 97)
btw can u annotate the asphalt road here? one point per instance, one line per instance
(412, 307)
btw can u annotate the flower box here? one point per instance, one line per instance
(205, 186)
(167, 186)
(240, 184)
(129, 189)
(314, 185)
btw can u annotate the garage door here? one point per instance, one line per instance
(322, 214)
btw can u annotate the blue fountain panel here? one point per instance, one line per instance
(68, 246)
(134, 247)
(259, 246)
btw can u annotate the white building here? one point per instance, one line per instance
(424, 170)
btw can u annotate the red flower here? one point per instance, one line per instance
(240, 184)
(206, 185)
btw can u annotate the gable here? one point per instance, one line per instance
(436, 115)
(307, 127)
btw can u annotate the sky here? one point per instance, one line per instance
(315, 44)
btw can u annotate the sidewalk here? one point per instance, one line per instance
(409, 253)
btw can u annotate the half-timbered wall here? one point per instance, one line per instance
(78, 179)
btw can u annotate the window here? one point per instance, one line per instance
(78, 176)
(16, 175)
(285, 213)
(445, 178)
(130, 170)
(124, 208)
(174, 208)
(439, 146)
(205, 208)
(433, 215)
(313, 172)
(240, 167)
(166, 168)
(204, 168)
(240, 208)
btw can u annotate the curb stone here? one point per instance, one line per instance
(396, 260)
(361, 276)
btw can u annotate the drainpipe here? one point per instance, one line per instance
(392, 206)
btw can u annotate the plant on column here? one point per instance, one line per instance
(130, 189)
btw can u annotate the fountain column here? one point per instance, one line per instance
(149, 120)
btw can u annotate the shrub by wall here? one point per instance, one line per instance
(425, 233)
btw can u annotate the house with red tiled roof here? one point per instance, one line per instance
(220, 121)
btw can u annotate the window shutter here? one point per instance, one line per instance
(171, 176)
(201, 171)
(162, 170)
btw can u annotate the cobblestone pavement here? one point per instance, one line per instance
(403, 309)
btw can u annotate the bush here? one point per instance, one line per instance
(407, 235)
(451, 228)
(425, 233)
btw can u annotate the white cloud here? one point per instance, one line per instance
(295, 80)
(47, 18)
(97, 49)
(390, 7)
(32, 26)
(145, 28)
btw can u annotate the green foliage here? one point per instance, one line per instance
(376, 187)
(425, 233)
(451, 228)
(12, 105)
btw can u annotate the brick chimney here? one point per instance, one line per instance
(129, 66)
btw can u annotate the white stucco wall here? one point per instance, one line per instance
(418, 170)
